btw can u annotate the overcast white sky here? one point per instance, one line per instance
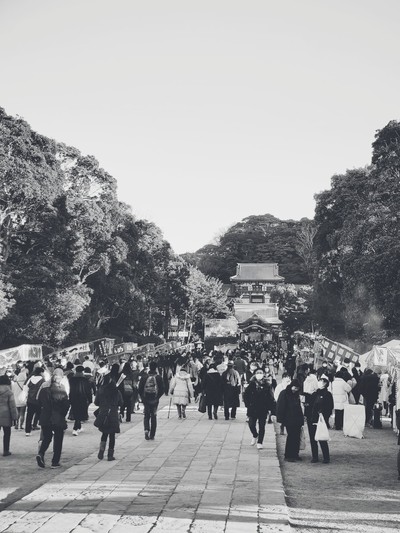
(206, 111)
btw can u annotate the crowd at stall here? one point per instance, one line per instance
(273, 385)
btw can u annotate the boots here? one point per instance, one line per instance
(183, 411)
(102, 448)
(110, 455)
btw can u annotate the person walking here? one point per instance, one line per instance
(33, 385)
(8, 412)
(231, 390)
(18, 389)
(279, 388)
(290, 414)
(80, 396)
(319, 402)
(181, 388)
(151, 388)
(259, 400)
(369, 388)
(54, 403)
(109, 400)
(127, 388)
(212, 389)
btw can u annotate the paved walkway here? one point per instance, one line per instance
(197, 476)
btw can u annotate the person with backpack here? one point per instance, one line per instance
(33, 385)
(127, 388)
(151, 388)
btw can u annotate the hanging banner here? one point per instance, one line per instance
(166, 347)
(25, 352)
(336, 351)
(124, 348)
(102, 347)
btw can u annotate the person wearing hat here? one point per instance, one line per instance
(259, 400)
(231, 390)
(290, 414)
(181, 388)
(320, 401)
(54, 403)
(212, 389)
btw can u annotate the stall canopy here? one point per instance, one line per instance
(381, 357)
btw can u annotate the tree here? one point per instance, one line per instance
(294, 303)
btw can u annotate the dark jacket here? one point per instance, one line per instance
(320, 401)
(160, 384)
(259, 398)
(369, 386)
(54, 404)
(288, 409)
(80, 395)
(109, 399)
(231, 391)
(212, 388)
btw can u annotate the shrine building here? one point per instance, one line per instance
(251, 286)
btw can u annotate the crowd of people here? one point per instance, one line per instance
(43, 396)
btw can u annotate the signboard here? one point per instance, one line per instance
(147, 350)
(216, 327)
(125, 347)
(25, 352)
(113, 358)
(174, 322)
(102, 347)
(166, 347)
(336, 351)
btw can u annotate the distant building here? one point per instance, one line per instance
(251, 289)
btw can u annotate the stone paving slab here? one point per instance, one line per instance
(196, 476)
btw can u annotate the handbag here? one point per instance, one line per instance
(322, 433)
(202, 404)
(302, 439)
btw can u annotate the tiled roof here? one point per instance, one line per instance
(257, 272)
(268, 313)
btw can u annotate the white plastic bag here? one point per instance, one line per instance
(322, 433)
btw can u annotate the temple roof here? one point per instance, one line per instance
(257, 272)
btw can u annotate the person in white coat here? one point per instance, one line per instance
(279, 388)
(340, 393)
(182, 390)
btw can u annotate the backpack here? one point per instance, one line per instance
(128, 388)
(33, 389)
(150, 391)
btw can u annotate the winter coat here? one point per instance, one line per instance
(288, 408)
(369, 386)
(340, 392)
(54, 403)
(109, 399)
(384, 392)
(80, 396)
(181, 387)
(8, 411)
(240, 365)
(279, 388)
(34, 384)
(231, 388)
(17, 386)
(212, 387)
(259, 399)
(321, 401)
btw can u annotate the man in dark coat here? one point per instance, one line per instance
(259, 400)
(369, 388)
(80, 396)
(231, 390)
(320, 401)
(290, 414)
(212, 389)
(151, 388)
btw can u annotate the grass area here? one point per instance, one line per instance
(358, 488)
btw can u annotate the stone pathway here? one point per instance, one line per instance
(196, 476)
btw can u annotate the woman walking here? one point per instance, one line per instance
(212, 389)
(20, 397)
(231, 390)
(108, 399)
(181, 388)
(127, 388)
(259, 400)
(8, 412)
(54, 403)
(33, 407)
(290, 414)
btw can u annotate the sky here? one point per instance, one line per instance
(206, 111)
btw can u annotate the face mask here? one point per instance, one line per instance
(259, 376)
(321, 385)
(253, 367)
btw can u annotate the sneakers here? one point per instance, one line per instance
(6, 454)
(40, 460)
(27, 434)
(80, 430)
(253, 441)
(57, 465)
(75, 433)
(259, 446)
(147, 435)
